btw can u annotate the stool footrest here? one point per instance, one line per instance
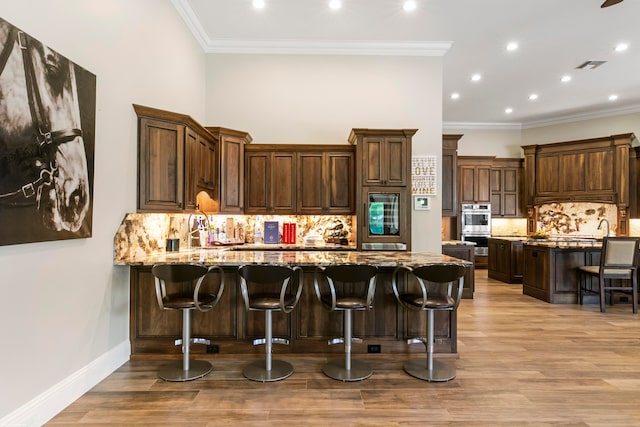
(262, 341)
(340, 340)
(193, 341)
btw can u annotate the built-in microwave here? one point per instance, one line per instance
(385, 219)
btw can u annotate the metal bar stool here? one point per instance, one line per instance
(358, 284)
(435, 291)
(260, 298)
(180, 287)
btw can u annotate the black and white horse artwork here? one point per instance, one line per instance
(47, 121)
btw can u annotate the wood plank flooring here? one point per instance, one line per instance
(521, 362)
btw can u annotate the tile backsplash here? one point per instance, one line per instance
(144, 233)
(577, 218)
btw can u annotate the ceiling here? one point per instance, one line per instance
(554, 37)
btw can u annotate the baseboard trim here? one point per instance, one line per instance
(45, 406)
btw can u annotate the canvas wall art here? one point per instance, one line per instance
(47, 140)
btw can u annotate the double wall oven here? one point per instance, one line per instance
(476, 226)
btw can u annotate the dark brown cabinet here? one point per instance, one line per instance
(386, 156)
(270, 186)
(325, 182)
(505, 260)
(160, 165)
(599, 170)
(449, 174)
(230, 190)
(465, 252)
(506, 188)
(207, 170)
(474, 179)
(550, 273)
(308, 327)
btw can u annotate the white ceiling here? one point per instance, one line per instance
(555, 36)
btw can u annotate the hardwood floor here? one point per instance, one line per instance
(521, 362)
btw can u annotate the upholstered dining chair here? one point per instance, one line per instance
(617, 271)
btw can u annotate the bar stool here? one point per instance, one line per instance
(180, 287)
(254, 284)
(437, 294)
(358, 283)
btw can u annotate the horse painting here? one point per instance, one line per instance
(46, 142)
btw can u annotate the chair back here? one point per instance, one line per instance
(180, 286)
(262, 277)
(438, 282)
(619, 252)
(356, 280)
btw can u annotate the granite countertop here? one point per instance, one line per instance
(232, 258)
(565, 243)
(512, 238)
(458, 242)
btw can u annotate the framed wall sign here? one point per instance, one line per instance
(423, 175)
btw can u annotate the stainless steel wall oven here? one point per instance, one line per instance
(476, 226)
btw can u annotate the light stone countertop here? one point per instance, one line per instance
(234, 258)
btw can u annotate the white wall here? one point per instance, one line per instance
(65, 315)
(318, 99)
(488, 142)
(594, 128)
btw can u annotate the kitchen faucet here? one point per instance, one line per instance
(606, 221)
(191, 234)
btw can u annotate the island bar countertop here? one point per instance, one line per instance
(229, 257)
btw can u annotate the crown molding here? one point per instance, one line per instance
(570, 118)
(306, 47)
(481, 126)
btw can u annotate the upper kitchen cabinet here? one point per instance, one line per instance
(326, 180)
(474, 179)
(167, 160)
(601, 170)
(230, 189)
(449, 174)
(506, 188)
(386, 155)
(207, 170)
(270, 185)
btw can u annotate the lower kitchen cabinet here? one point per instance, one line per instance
(505, 261)
(230, 327)
(465, 252)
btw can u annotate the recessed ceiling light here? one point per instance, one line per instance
(533, 96)
(409, 6)
(476, 77)
(335, 4)
(621, 47)
(613, 97)
(566, 78)
(512, 46)
(455, 95)
(508, 110)
(258, 4)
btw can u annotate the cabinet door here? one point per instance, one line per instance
(449, 191)
(467, 184)
(510, 190)
(231, 174)
(497, 208)
(340, 197)
(160, 165)
(483, 184)
(191, 167)
(206, 163)
(283, 183)
(395, 161)
(385, 161)
(310, 180)
(257, 182)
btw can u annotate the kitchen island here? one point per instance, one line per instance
(231, 328)
(550, 268)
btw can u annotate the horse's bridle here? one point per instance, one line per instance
(48, 140)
